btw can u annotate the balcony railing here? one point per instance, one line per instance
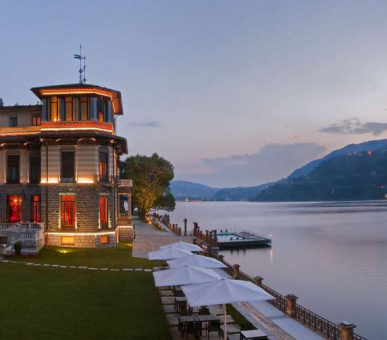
(126, 183)
(22, 225)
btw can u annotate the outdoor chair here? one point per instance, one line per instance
(190, 328)
(213, 327)
(204, 311)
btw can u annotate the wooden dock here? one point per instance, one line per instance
(241, 240)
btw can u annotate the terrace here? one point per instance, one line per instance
(30, 236)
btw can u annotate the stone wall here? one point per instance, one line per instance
(126, 233)
(92, 240)
(87, 205)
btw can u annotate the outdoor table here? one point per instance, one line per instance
(199, 319)
(208, 318)
(186, 320)
(254, 334)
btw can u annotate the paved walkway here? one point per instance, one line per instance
(32, 264)
(262, 314)
(149, 239)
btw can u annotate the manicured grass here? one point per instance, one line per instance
(54, 303)
(117, 257)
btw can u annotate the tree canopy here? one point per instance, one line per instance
(151, 177)
(1, 102)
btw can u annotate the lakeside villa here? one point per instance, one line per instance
(59, 171)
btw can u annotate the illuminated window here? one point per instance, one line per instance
(104, 239)
(68, 167)
(62, 109)
(35, 170)
(35, 120)
(54, 112)
(103, 167)
(124, 204)
(102, 110)
(35, 209)
(14, 208)
(103, 211)
(13, 171)
(67, 240)
(67, 211)
(84, 108)
(13, 121)
(69, 109)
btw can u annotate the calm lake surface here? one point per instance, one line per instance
(333, 256)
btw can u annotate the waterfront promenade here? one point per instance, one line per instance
(262, 315)
(149, 239)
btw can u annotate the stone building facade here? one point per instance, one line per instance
(59, 166)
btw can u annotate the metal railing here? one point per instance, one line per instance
(313, 321)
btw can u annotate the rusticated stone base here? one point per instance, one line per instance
(82, 240)
(125, 233)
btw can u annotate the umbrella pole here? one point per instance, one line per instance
(224, 321)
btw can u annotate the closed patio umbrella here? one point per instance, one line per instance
(196, 260)
(185, 275)
(168, 254)
(183, 245)
(224, 291)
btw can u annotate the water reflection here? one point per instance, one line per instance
(332, 255)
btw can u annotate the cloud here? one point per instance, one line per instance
(150, 124)
(272, 162)
(354, 126)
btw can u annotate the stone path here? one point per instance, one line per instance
(149, 239)
(262, 315)
(172, 317)
(273, 322)
(32, 264)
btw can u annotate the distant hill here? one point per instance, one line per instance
(239, 193)
(182, 190)
(185, 189)
(349, 149)
(347, 176)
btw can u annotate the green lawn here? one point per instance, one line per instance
(119, 257)
(58, 303)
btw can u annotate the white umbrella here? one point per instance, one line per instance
(224, 291)
(196, 260)
(183, 245)
(168, 254)
(184, 276)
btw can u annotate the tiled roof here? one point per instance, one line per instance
(21, 107)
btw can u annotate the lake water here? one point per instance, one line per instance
(333, 256)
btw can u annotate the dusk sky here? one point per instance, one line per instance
(231, 92)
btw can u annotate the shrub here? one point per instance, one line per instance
(17, 246)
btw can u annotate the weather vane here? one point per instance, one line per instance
(82, 70)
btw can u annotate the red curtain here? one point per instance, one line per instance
(68, 211)
(14, 209)
(103, 210)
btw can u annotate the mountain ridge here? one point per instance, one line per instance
(195, 191)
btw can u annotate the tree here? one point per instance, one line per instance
(151, 177)
(1, 102)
